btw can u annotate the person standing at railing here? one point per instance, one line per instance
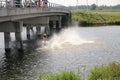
(24, 3)
(8, 4)
(2, 4)
(44, 3)
(30, 3)
(37, 3)
(17, 3)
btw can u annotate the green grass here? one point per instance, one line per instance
(64, 75)
(95, 17)
(109, 10)
(104, 72)
(109, 72)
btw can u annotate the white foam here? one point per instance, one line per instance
(69, 36)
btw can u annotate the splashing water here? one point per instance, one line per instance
(69, 36)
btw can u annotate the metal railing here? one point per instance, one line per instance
(16, 4)
(2, 4)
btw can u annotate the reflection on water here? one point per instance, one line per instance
(73, 48)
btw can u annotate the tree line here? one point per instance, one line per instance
(94, 7)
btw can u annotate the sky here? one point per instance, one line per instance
(84, 2)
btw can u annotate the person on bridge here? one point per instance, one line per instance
(44, 3)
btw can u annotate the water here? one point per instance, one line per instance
(73, 48)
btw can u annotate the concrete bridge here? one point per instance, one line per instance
(13, 18)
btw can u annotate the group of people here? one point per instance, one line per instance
(34, 3)
(24, 3)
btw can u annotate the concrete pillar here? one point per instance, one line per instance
(65, 21)
(18, 41)
(47, 29)
(7, 41)
(60, 24)
(38, 31)
(18, 26)
(51, 27)
(32, 29)
(28, 32)
(54, 26)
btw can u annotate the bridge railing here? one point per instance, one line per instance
(2, 4)
(16, 4)
(57, 6)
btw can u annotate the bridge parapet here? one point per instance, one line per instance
(9, 4)
(7, 11)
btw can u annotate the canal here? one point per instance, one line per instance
(71, 49)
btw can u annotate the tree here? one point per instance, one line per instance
(93, 6)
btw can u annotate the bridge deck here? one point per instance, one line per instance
(12, 13)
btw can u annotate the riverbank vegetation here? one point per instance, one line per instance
(64, 75)
(109, 72)
(96, 17)
(104, 72)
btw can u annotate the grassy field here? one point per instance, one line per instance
(96, 17)
(104, 72)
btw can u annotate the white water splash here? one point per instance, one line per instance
(69, 37)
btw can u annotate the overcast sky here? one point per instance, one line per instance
(84, 2)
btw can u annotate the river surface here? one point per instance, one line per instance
(72, 49)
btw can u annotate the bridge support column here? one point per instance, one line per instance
(18, 26)
(28, 32)
(54, 26)
(38, 31)
(7, 41)
(60, 23)
(47, 29)
(18, 41)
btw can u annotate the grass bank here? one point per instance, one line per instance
(97, 17)
(104, 72)
(109, 72)
(64, 75)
